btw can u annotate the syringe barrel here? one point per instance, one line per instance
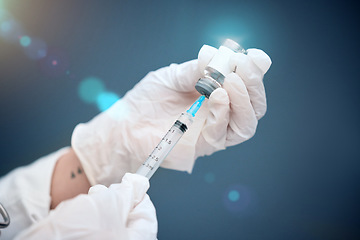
(167, 143)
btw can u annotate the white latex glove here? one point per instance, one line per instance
(122, 211)
(120, 139)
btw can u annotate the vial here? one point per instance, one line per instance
(218, 68)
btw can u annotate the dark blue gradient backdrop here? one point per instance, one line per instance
(297, 178)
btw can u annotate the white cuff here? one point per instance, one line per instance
(25, 193)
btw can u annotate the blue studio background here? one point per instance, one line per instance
(297, 178)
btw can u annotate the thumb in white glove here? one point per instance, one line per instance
(122, 211)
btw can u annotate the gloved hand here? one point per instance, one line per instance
(120, 139)
(122, 211)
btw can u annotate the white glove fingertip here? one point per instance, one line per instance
(97, 188)
(139, 183)
(136, 179)
(260, 58)
(205, 55)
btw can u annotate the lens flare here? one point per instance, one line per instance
(234, 195)
(90, 89)
(5, 26)
(225, 26)
(105, 100)
(238, 199)
(36, 50)
(25, 41)
(55, 63)
(11, 30)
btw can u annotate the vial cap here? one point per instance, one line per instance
(233, 46)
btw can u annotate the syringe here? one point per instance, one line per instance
(214, 76)
(168, 142)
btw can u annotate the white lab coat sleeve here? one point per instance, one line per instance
(25, 193)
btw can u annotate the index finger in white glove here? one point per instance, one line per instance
(215, 127)
(183, 77)
(243, 121)
(260, 58)
(205, 55)
(131, 191)
(141, 216)
(251, 68)
(143, 219)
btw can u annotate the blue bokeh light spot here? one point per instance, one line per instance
(25, 41)
(90, 89)
(41, 53)
(106, 100)
(239, 200)
(234, 195)
(5, 26)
